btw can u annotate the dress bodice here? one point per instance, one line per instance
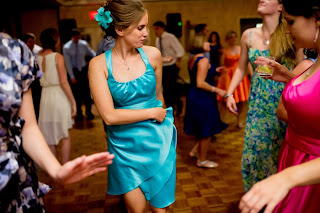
(193, 73)
(50, 75)
(231, 60)
(302, 103)
(139, 93)
(254, 53)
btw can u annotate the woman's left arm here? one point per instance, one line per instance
(269, 192)
(155, 59)
(36, 147)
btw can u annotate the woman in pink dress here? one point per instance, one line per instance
(296, 188)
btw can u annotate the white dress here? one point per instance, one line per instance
(55, 109)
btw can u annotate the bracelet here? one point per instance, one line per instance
(213, 89)
(226, 96)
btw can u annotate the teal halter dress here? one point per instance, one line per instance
(145, 151)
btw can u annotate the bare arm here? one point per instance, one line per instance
(156, 62)
(98, 75)
(221, 58)
(64, 83)
(273, 189)
(243, 63)
(36, 147)
(282, 112)
(281, 73)
(202, 72)
(239, 73)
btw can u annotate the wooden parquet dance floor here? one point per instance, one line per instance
(197, 190)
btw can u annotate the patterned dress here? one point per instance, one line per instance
(264, 132)
(20, 190)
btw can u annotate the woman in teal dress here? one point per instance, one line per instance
(264, 133)
(125, 84)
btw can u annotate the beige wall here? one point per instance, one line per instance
(37, 20)
(220, 15)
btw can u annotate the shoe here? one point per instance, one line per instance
(90, 117)
(207, 164)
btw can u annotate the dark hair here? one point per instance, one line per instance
(200, 27)
(304, 8)
(49, 38)
(124, 14)
(159, 24)
(26, 36)
(75, 32)
(310, 53)
(217, 36)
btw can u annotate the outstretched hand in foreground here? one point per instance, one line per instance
(82, 167)
(268, 192)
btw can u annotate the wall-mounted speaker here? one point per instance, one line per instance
(174, 24)
(65, 28)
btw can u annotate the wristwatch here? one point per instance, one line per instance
(226, 96)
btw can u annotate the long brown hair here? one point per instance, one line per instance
(281, 44)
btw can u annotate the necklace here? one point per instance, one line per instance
(123, 61)
(266, 41)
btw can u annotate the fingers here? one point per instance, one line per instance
(102, 158)
(233, 108)
(97, 170)
(270, 207)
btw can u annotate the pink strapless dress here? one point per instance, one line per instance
(302, 142)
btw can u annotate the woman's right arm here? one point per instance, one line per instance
(240, 71)
(282, 112)
(98, 75)
(202, 72)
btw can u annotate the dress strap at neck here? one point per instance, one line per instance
(108, 55)
(143, 56)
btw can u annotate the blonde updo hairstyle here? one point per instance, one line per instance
(124, 13)
(197, 44)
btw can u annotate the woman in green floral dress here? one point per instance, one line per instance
(264, 132)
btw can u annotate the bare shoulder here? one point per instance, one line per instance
(59, 58)
(246, 33)
(98, 64)
(245, 37)
(152, 52)
(203, 61)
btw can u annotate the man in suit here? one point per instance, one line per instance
(75, 52)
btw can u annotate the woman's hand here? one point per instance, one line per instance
(268, 192)
(221, 69)
(82, 167)
(159, 114)
(280, 72)
(220, 92)
(231, 105)
(73, 110)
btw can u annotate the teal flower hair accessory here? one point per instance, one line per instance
(103, 17)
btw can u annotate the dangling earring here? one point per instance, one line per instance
(316, 37)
